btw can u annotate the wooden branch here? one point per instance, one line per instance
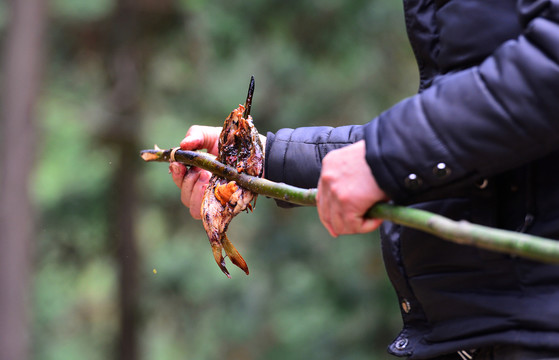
(260, 186)
(461, 232)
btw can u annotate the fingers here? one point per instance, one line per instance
(192, 183)
(190, 179)
(346, 191)
(197, 196)
(368, 225)
(201, 137)
(323, 213)
(177, 171)
(341, 221)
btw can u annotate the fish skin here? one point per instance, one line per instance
(240, 147)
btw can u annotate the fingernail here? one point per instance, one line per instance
(175, 169)
(205, 176)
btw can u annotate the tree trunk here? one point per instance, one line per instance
(124, 67)
(23, 60)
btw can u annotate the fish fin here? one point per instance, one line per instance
(219, 259)
(253, 202)
(233, 254)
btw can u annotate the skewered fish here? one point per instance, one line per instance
(240, 147)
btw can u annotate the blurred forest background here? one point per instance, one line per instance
(99, 259)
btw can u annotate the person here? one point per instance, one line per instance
(479, 142)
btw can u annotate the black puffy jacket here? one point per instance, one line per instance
(480, 141)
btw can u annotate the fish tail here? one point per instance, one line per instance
(233, 254)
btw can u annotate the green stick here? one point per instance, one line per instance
(464, 232)
(260, 186)
(461, 232)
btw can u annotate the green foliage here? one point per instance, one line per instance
(4, 15)
(82, 10)
(308, 295)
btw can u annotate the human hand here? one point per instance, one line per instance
(194, 181)
(202, 137)
(346, 190)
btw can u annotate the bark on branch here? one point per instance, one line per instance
(461, 232)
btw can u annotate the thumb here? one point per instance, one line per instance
(369, 225)
(201, 137)
(193, 140)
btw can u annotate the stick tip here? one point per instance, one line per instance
(147, 156)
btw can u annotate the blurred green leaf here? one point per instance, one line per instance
(82, 10)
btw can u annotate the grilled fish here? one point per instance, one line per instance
(239, 147)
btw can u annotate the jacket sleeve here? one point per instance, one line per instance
(477, 122)
(294, 156)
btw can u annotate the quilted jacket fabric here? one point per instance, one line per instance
(480, 142)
